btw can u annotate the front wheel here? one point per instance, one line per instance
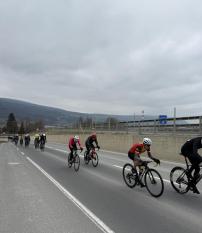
(129, 175)
(179, 180)
(154, 183)
(95, 159)
(76, 162)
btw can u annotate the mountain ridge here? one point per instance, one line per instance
(51, 115)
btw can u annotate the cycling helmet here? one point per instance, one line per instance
(147, 141)
(93, 135)
(76, 138)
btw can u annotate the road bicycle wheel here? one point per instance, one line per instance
(69, 163)
(86, 159)
(129, 176)
(95, 159)
(179, 180)
(76, 162)
(154, 183)
(42, 147)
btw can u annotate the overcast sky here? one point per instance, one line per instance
(103, 56)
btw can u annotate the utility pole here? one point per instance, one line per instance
(174, 120)
(134, 120)
(200, 125)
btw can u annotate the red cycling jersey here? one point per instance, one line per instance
(72, 143)
(138, 149)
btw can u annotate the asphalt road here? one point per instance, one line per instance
(39, 193)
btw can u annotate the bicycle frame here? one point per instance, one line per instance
(145, 169)
(92, 152)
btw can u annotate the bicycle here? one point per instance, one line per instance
(26, 143)
(147, 176)
(36, 143)
(180, 178)
(42, 146)
(93, 156)
(75, 160)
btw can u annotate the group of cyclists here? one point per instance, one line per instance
(189, 150)
(24, 139)
(90, 143)
(40, 140)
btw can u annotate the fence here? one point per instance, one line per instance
(192, 124)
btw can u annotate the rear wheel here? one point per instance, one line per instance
(76, 162)
(154, 183)
(129, 176)
(179, 180)
(95, 159)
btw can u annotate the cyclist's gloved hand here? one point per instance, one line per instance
(98, 147)
(157, 161)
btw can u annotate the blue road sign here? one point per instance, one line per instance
(163, 119)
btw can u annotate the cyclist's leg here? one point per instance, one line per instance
(71, 154)
(87, 149)
(195, 160)
(137, 162)
(198, 160)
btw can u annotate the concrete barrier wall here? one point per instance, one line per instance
(166, 147)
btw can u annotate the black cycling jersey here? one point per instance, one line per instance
(192, 146)
(90, 140)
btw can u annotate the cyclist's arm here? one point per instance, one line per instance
(153, 158)
(80, 146)
(96, 142)
(195, 146)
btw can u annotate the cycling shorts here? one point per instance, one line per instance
(133, 156)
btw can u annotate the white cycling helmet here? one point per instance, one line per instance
(147, 141)
(76, 138)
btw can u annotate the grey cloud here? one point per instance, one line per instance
(103, 56)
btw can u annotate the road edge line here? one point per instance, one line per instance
(98, 222)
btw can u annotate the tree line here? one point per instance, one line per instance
(88, 122)
(26, 126)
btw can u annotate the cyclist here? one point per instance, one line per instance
(89, 143)
(42, 140)
(27, 139)
(190, 150)
(21, 140)
(36, 140)
(139, 148)
(74, 143)
(15, 139)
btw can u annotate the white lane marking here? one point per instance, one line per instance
(22, 153)
(99, 223)
(56, 149)
(64, 151)
(168, 181)
(13, 163)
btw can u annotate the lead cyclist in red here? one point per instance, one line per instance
(139, 148)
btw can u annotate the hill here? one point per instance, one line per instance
(51, 116)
